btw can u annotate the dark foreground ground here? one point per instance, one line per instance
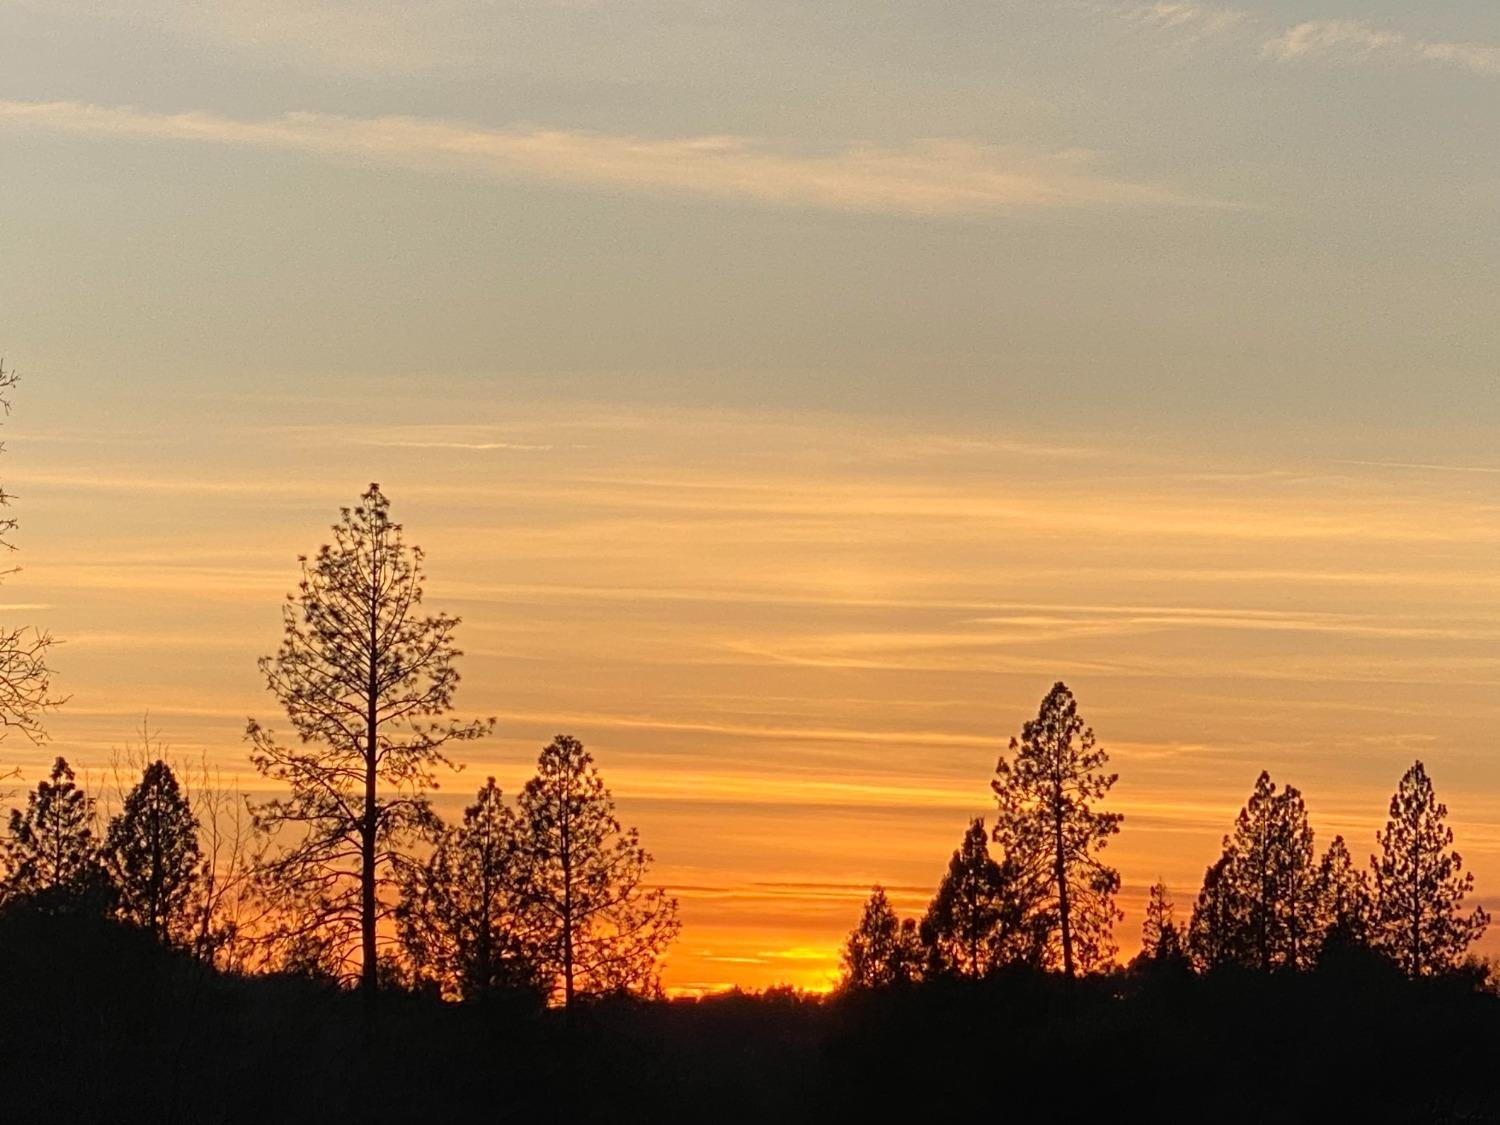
(98, 1025)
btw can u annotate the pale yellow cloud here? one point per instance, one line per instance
(1188, 23)
(929, 177)
(1183, 19)
(1357, 41)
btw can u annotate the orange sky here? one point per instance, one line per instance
(797, 642)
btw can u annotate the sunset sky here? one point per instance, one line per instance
(786, 395)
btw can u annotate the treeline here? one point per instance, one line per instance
(1268, 904)
(537, 899)
(350, 876)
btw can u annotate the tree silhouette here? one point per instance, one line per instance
(25, 675)
(51, 855)
(985, 914)
(1261, 910)
(1216, 928)
(151, 851)
(1048, 824)
(883, 949)
(1161, 938)
(600, 929)
(367, 680)
(462, 922)
(1420, 883)
(1343, 898)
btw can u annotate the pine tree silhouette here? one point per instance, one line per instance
(984, 915)
(883, 950)
(1048, 824)
(51, 855)
(600, 927)
(367, 680)
(1259, 906)
(463, 921)
(1420, 883)
(151, 850)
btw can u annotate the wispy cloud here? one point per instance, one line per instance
(1188, 23)
(1418, 466)
(926, 177)
(1185, 21)
(464, 446)
(1356, 41)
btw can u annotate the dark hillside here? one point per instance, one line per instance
(99, 1024)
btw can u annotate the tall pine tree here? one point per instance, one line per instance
(1420, 884)
(151, 850)
(367, 679)
(1049, 823)
(601, 928)
(1258, 908)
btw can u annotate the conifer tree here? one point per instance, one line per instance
(883, 949)
(1420, 884)
(911, 953)
(1161, 938)
(1292, 909)
(1217, 927)
(984, 915)
(461, 919)
(1049, 825)
(151, 851)
(367, 680)
(1344, 903)
(1262, 909)
(599, 927)
(51, 854)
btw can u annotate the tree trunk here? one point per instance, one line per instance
(1415, 960)
(1060, 873)
(567, 911)
(1063, 906)
(489, 976)
(367, 977)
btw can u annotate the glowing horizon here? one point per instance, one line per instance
(794, 698)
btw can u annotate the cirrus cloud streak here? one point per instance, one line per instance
(928, 177)
(1353, 40)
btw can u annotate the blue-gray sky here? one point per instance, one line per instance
(1167, 209)
(771, 377)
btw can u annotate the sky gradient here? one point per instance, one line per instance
(786, 396)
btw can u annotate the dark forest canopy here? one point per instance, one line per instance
(103, 1024)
